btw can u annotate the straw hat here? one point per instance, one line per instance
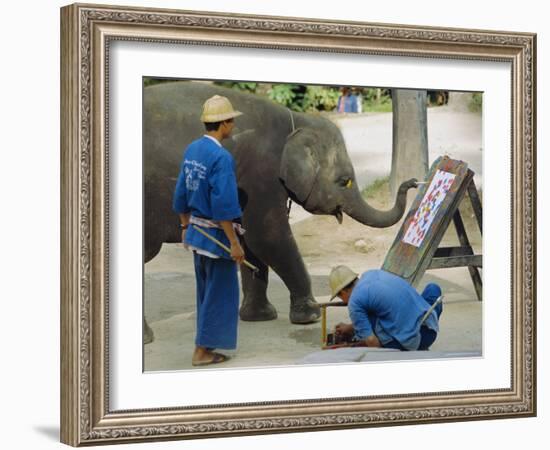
(218, 109)
(339, 278)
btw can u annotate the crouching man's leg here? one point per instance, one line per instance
(431, 293)
(427, 338)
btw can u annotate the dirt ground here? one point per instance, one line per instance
(169, 286)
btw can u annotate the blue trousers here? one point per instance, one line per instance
(431, 293)
(427, 336)
(217, 302)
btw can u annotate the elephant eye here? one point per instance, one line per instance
(345, 182)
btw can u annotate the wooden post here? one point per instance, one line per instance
(465, 243)
(323, 326)
(476, 204)
(324, 307)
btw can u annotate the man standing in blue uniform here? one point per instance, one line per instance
(385, 310)
(206, 197)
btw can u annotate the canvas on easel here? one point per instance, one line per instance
(416, 246)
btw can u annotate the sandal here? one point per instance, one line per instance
(216, 359)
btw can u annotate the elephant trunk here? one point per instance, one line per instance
(358, 209)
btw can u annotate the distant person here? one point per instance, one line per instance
(350, 101)
(357, 103)
(385, 310)
(344, 101)
(206, 196)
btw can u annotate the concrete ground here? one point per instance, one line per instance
(170, 310)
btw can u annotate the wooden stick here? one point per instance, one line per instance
(222, 245)
(437, 302)
(323, 326)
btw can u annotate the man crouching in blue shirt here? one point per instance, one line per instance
(206, 197)
(385, 310)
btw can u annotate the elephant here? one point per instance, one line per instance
(279, 155)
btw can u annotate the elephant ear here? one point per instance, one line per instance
(299, 164)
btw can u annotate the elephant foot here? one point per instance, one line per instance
(148, 335)
(256, 312)
(304, 311)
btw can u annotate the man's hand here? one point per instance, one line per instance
(344, 330)
(372, 341)
(237, 252)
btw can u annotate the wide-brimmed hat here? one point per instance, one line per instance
(218, 109)
(339, 278)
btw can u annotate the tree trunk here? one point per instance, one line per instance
(410, 137)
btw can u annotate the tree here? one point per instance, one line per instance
(410, 137)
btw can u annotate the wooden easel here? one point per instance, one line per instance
(411, 263)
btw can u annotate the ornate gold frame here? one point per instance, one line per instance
(86, 31)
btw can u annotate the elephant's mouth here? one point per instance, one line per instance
(339, 215)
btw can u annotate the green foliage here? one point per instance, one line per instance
(147, 81)
(375, 95)
(385, 105)
(302, 98)
(476, 103)
(319, 98)
(239, 85)
(294, 96)
(284, 94)
(376, 100)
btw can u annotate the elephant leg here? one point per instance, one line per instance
(151, 250)
(255, 305)
(148, 335)
(282, 255)
(303, 307)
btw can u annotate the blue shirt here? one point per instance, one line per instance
(207, 188)
(348, 103)
(387, 306)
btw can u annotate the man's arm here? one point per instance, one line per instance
(358, 308)
(225, 201)
(237, 252)
(362, 325)
(184, 221)
(371, 341)
(344, 329)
